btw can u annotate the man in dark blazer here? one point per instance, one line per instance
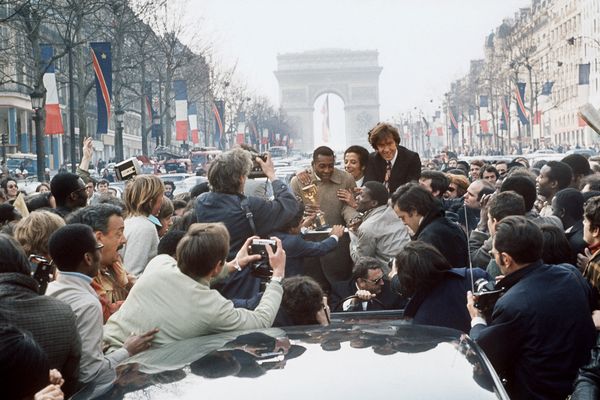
(567, 204)
(405, 165)
(541, 330)
(368, 289)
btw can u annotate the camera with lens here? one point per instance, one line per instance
(487, 296)
(261, 268)
(42, 273)
(256, 171)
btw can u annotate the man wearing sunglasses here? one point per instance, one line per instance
(69, 191)
(368, 289)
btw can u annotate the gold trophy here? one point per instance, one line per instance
(310, 196)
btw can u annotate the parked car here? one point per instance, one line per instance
(354, 357)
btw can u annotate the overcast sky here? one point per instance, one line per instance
(423, 44)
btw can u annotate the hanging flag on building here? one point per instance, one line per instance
(102, 64)
(325, 112)
(537, 118)
(505, 115)
(193, 120)
(265, 136)
(484, 114)
(254, 135)
(218, 108)
(584, 74)
(521, 110)
(547, 88)
(53, 122)
(453, 121)
(181, 110)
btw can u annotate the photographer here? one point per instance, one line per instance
(177, 298)
(541, 330)
(243, 216)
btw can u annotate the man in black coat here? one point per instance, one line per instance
(425, 219)
(368, 289)
(391, 164)
(541, 330)
(567, 204)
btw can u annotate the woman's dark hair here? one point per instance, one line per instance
(557, 249)
(38, 201)
(24, 365)
(13, 257)
(420, 266)
(363, 154)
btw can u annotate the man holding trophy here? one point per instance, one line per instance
(321, 190)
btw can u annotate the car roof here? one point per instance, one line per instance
(386, 358)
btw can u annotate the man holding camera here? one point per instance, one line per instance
(541, 329)
(243, 216)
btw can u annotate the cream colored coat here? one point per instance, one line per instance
(165, 298)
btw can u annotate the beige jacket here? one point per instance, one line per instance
(336, 211)
(165, 298)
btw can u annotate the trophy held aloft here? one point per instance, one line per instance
(310, 196)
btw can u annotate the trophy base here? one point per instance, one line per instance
(320, 224)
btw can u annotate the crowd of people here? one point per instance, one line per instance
(88, 279)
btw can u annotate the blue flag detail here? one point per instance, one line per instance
(547, 88)
(102, 64)
(521, 110)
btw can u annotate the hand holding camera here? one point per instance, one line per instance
(243, 257)
(266, 164)
(272, 258)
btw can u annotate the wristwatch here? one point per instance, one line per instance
(237, 265)
(277, 279)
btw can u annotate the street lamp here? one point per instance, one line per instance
(37, 103)
(119, 113)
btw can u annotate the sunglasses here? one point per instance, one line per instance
(11, 186)
(375, 281)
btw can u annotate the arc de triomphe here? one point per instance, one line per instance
(352, 75)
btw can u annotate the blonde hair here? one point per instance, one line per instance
(34, 231)
(141, 193)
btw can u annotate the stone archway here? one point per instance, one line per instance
(352, 75)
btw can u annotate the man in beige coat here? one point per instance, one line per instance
(176, 297)
(335, 189)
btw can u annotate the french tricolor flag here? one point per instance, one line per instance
(193, 119)
(53, 120)
(181, 110)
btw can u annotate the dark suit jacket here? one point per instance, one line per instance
(386, 299)
(406, 168)
(541, 331)
(575, 237)
(296, 248)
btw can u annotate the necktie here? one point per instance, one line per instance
(388, 173)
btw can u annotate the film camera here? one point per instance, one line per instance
(127, 169)
(43, 271)
(487, 295)
(261, 268)
(256, 171)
